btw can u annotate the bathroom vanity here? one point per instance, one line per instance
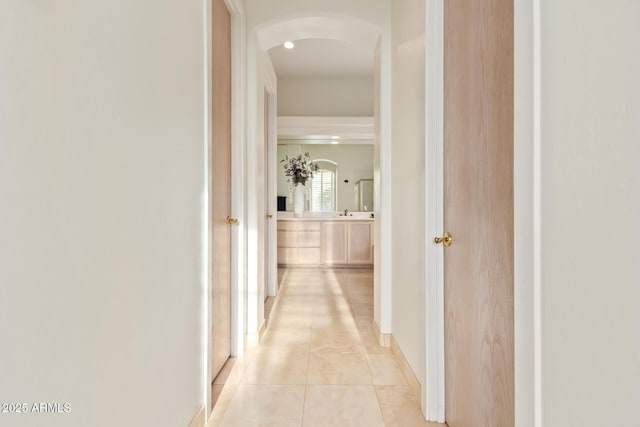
(345, 241)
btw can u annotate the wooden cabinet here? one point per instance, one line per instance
(334, 242)
(299, 243)
(331, 243)
(360, 243)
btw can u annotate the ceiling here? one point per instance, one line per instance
(322, 58)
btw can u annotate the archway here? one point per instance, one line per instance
(358, 32)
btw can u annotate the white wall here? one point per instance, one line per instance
(262, 11)
(355, 162)
(101, 189)
(408, 178)
(590, 141)
(325, 96)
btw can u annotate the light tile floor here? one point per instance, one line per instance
(319, 363)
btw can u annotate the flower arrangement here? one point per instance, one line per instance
(299, 168)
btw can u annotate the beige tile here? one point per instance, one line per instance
(341, 406)
(385, 370)
(297, 311)
(343, 315)
(331, 304)
(334, 339)
(400, 408)
(289, 323)
(286, 336)
(290, 320)
(339, 366)
(361, 300)
(222, 404)
(278, 365)
(265, 405)
(295, 304)
(308, 290)
(362, 309)
(363, 279)
(326, 324)
(364, 324)
(319, 334)
(364, 289)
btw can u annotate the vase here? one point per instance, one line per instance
(298, 200)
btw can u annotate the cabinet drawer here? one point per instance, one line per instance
(309, 239)
(308, 226)
(288, 225)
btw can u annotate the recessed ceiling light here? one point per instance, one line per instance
(288, 45)
(335, 137)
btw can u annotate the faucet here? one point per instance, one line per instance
(346, 212)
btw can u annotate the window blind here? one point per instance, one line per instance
(323, 191)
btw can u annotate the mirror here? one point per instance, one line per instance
(344, 181)
(326, 92)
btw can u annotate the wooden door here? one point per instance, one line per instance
(478, 211)
(265, 194)
(221, 184)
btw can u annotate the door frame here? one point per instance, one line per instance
(238, 144)
(433, 403)
(270, 81)
(527, 214)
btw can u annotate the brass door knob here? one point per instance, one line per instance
(269, 216)
(232, 221)
(445, 240)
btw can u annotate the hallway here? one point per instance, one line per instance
(319, 363)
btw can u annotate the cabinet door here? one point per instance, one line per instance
(309, 239)
(287, 256)
(334, 243)
(309, 256)
(359, 243)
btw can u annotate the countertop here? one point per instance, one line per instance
(356, 217)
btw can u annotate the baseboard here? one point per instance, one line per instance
(199, 419)
(383, 339)
(411, 378)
